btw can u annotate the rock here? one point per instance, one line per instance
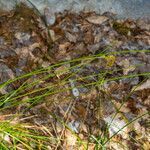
(97, 19)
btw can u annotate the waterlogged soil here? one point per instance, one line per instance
(94, 77)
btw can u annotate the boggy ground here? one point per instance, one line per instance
(81, 82)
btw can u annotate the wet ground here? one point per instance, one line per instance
(84, 93)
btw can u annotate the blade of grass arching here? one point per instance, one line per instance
(38, 90)
(42, 70)
(63, 82)
(89, 84)
(135, 119)
(48, 87)
(11, 95)
(42, 89)
(115, 78)
(28, 85)
(93, 83)
(51, 75)
(31, 74)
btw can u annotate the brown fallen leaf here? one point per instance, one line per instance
(97, 19)
(71, 37)
(62, 70)
(145, 85)
(70, 140)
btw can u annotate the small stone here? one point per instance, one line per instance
(75, 92)
(49, 16)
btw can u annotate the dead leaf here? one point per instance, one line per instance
(97, 19)
(64, 46)
(62, 70)
(52, 34)
(71, 37)
(145, 85)
(70, 140)
(127, 67)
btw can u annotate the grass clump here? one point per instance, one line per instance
(17, 134)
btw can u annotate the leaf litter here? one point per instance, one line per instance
(77, 103)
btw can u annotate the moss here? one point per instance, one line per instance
(121, 28)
